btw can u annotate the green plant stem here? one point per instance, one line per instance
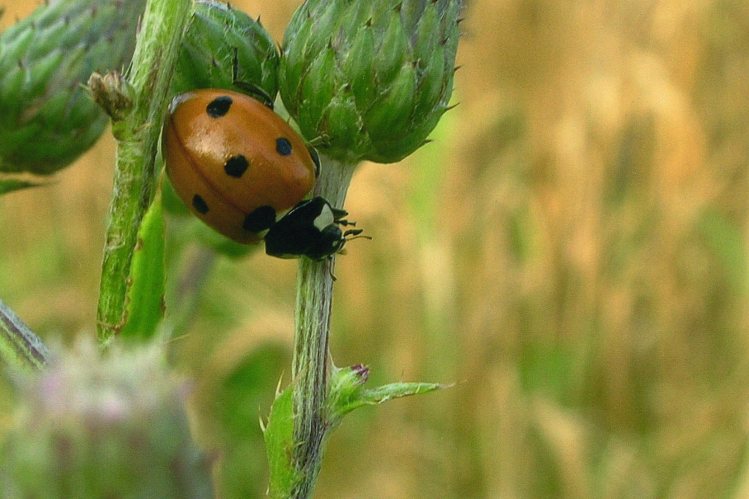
(135, 177)
(311, 362)
(19, 346)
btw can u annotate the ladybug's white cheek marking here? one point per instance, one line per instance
(324, 219)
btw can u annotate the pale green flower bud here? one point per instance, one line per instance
(95, 427)
(219, 38)
(46, 118)
(370, 78)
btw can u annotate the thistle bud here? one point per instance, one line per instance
(112, 426)
(46, 118)
(370, 78)
(220, 40)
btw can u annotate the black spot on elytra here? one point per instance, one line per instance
(262, 218)
(236, 166)
(218, 106)
(199, 204)
(283, 146)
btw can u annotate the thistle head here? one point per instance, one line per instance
(371, 79)
(103, 426)
(223, 47)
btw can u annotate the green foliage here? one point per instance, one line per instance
(279, 444)
(145, 300)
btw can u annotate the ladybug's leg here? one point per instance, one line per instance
(315, 159)
(320, 140)
(330, 268)
(338, 213)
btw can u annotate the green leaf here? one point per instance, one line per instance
(347, 393)
(10, 185)
(145, 303)
(279, 435)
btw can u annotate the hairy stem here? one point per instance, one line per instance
(19, 346)
(135, 177)
(311, 362)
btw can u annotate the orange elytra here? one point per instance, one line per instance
(234, 162)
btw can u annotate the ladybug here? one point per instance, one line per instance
(245, 172)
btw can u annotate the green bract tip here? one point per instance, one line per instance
(370, 78)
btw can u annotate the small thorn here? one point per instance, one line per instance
(456, 68)
(450, 108)
(278, 385)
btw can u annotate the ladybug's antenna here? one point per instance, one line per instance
(350, 235)
(355, 233)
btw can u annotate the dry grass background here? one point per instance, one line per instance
(572, 250)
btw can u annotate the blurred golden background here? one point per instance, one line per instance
(571, 251)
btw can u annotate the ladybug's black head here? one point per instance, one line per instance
(312, 229)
